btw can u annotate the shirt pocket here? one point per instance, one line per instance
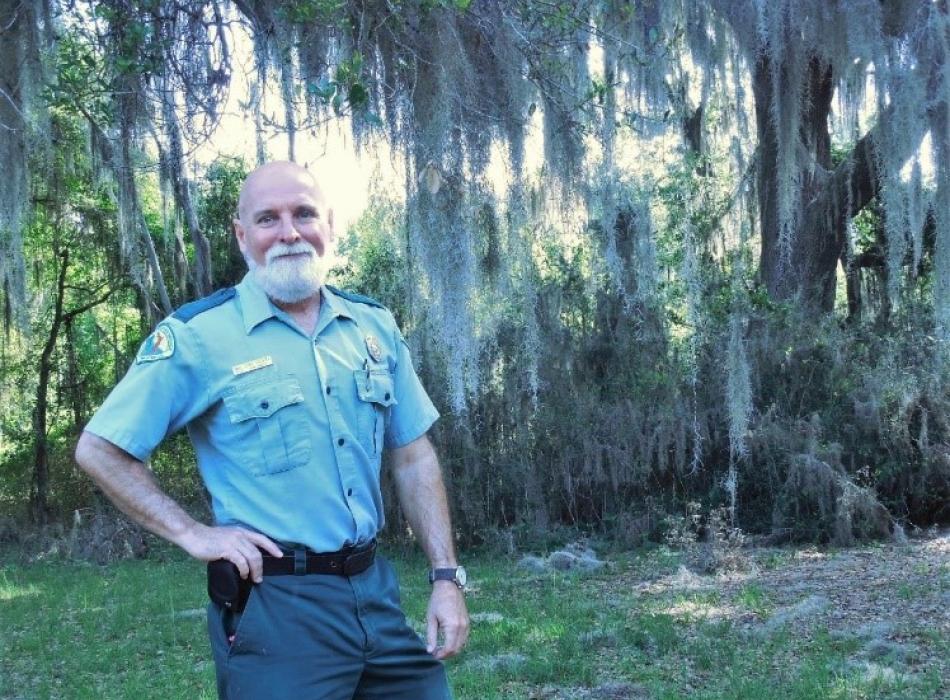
(275, 425)
(376, 393)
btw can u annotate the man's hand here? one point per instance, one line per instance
(237, 545)
(447, 614)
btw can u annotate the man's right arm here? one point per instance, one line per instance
(133, 489)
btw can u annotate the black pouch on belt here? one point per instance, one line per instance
(226, 587)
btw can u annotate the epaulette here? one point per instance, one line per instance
(188, 311)
(358, 298)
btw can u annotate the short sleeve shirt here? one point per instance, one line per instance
(288, 428)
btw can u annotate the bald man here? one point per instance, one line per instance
(290, 390)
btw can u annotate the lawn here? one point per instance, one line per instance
(866, 623)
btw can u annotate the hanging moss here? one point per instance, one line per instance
(24, 29)
(605, 284)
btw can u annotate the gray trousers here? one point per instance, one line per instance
(317, 637)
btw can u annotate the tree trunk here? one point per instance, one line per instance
(76, 384)
(39, 495)
(803, 265)
(39, 498)
(180, 185)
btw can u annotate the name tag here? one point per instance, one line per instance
(250, 366)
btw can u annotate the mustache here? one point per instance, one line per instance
(280, 249)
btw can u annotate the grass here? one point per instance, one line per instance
(137, 630)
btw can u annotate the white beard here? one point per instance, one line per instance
(289, 280)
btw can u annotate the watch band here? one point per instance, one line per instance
(455, 574)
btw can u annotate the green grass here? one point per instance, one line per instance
(754, 598)
(136, 630)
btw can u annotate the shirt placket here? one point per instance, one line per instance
(340, 437)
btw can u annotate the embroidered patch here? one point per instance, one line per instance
(160, 345)
(250, 366)
(372, 345)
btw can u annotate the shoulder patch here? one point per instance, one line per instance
(188, 311)
(160, 345)
(358, 298)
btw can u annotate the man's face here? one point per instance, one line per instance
(284, 230)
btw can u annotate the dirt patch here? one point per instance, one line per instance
(892, 599)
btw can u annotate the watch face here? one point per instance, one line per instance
(460, 576)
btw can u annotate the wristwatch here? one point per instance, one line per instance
(455, 574)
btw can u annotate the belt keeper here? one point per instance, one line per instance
(300, 562)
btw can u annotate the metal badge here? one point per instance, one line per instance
(372, 345)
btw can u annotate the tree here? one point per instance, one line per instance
(709, 158)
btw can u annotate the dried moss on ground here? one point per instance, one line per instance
(869, 622)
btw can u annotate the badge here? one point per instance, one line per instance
(372, 345)
(160, 345)
(250, 366)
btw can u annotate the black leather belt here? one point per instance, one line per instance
(347, 562)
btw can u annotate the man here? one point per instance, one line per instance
(290, 390)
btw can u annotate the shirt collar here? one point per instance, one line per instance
(332, 307)
(256, 307)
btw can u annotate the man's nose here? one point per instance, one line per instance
(288, 232)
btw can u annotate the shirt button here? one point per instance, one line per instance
(265, 405)
(328, 391)
(349, 492)
(340, 442)
(387, 396)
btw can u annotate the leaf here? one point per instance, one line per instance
(323, 89)
(357, 95)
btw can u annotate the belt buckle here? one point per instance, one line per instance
(358, 562)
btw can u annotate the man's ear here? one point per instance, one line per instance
(239, 234)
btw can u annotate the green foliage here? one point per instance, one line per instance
(311, 11)
(347, 89)
(218, 194)
(83, 82)
(374, 259)
(607, 339)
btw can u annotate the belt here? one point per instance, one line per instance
(349, 561)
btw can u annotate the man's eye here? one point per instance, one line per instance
(265, 218)
(307, 214)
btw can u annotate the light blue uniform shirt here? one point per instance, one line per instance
(288, 428)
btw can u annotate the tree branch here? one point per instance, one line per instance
(72, 313)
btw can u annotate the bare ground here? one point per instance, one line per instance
(893, 598)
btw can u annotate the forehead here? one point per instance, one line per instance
(279, 189)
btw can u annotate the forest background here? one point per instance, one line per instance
(654, 259)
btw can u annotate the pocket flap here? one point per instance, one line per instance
(263, 400)
(377, 386)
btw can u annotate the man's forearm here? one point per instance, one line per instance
(422, 496)
(130, 485)
(421, 493)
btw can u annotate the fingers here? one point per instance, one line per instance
(239, 546)
(265, 543)
(455, 635)
(448, 615)
(253, 564)
(248, 545)
(432, 632)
